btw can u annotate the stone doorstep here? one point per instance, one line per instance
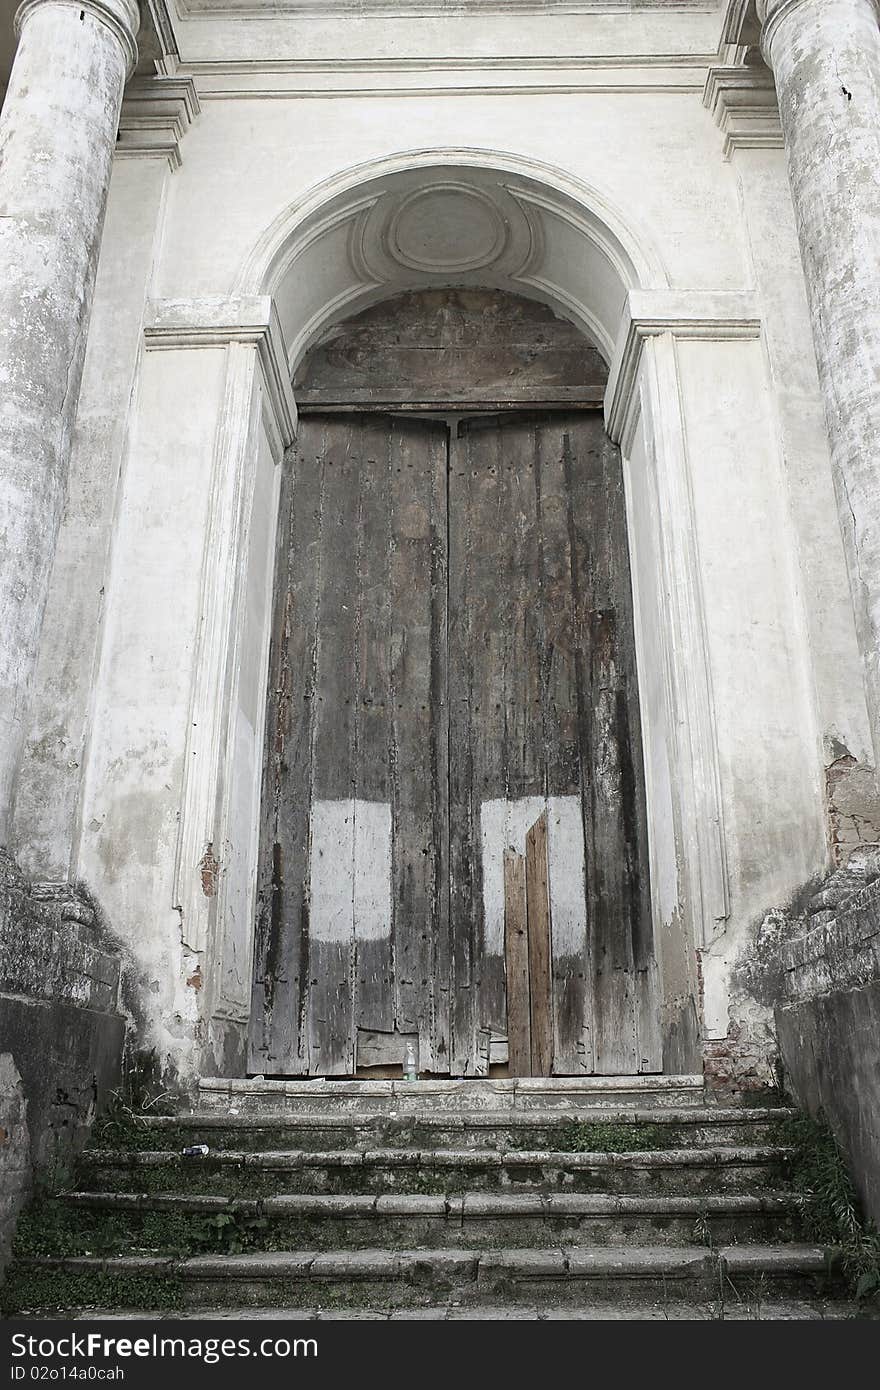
(468, 1120)
(718, 1157)
(467, 1266)
(770, 1310)
(466, 1206)
(528, 1093)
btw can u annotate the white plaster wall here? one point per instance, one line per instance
(232, 945)
(655, 157)
(486, 33)
(132, 797)
(766, 728)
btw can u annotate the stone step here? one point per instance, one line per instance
(534, 1093)
(384, 1279)
(724, 1168)
(109, 1222)
(758, 1308)
(601, 1128)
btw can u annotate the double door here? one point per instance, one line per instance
(452, 663)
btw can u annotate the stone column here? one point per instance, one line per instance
(57, 132)
(825, 56)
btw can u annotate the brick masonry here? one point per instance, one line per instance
(60, 1017)
(15, 1161)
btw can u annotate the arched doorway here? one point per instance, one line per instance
(347, 245)
(453, 839)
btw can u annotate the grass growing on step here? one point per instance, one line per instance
(582, 1136)
(123, 1123)
(48, 1291)
(50, 1228)
(828, 1204)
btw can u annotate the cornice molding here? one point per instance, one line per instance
(708, 315)
(121, 17)
(742, 102)
(217, 321)
(419, 9)
(156, 114)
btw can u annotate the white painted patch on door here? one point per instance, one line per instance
(568, 889)
(505, 825)
(350, 872)
(372, 870)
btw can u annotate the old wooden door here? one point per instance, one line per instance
(452, 658)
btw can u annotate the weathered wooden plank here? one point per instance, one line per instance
(477, 575)
(437, 1056)
(385, 399)
(331, 926)
(269, 871)
(647, 1054)
(458, 345)
(519, 1026)
(613, 793)
(464, 877)
(565, 726)
(282, 955)
(538, 914)
(491, 602)
(614, 997)
(383, 1049)
(373, 912)
(523, 730)
(418, 453)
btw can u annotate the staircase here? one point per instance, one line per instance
(630, 1197)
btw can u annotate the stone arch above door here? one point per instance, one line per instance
(355, 239)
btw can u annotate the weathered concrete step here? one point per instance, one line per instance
(601, 1128)
(389, 1279)
(131, 1223)
(348, 1097)
(724, 1168)
(754, 1309)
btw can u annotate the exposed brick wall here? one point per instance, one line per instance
(15, 1157)
(60, 1018)
(853, 806)
(743, 1061)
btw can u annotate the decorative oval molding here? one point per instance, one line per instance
(447, 227)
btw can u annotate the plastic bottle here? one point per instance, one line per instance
(410, 1063)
